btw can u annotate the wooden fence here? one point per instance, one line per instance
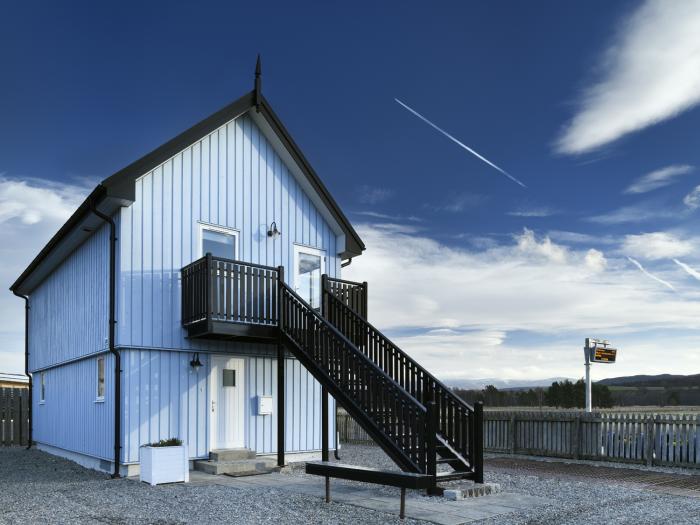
(14, 416)
(649, 439)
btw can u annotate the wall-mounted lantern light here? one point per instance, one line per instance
(273, 231)
(196, 363)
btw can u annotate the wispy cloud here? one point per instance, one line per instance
(692, 200)
(657, 245)
(532, 212)
(374, 195)
(459, 143)
(650, 275)
(457, 203)
(387, 217)
(658, 178)
(690, 271)
(651, 72)
(629, 214)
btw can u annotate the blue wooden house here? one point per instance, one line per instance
(197, 294)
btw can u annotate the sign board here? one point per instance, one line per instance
(601, 354)
(264, 405)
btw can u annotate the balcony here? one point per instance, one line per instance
(226, 299)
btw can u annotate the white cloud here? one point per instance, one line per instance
(595, 260)
(650, 73)
(690, 271)
(482, 300)
(31, 211)
(656, 245)
(692, 200)
(658, 178)
(528, 244)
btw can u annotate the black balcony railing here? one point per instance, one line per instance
(229, 298)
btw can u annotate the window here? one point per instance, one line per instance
(100, 379)
(42, 387)
(220, 242)
(229, 377)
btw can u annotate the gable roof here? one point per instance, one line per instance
(120, 189)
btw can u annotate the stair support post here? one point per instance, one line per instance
(478, 458)
(280, 371)
(324, 424)
(431, 438)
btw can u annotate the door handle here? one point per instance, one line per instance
(213, 405)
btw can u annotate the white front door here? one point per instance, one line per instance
(227, 427)
(309, 264)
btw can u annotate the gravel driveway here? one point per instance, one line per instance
(39, 488)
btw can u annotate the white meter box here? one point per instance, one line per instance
(264, 405)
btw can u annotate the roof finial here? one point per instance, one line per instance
(258, 85)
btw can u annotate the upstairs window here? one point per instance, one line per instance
(220, 242)
(100, 379)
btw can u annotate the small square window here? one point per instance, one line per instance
(229, 377)
(42, 387)
(219, 243)
(100, 378)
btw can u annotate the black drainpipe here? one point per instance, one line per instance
(26, 361)
(112, 323)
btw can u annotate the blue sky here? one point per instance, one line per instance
(591, 104)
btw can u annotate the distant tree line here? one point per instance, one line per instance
(561, 394)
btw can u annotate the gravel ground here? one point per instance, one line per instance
(38, 488)
(573, 502)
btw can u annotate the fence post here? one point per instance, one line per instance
(479, 442)
(511, 434)
(649, 441)
(576, 438)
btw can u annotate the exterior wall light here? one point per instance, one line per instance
(196, 363)
(273, 231)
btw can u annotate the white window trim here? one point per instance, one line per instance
(100, 398)
(42, 388)
(220, 229)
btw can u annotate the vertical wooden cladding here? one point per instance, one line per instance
(303, 407)
(69, 309)
(231, 178)
(165, 397)
(70, 417)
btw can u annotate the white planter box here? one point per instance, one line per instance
(164, 464)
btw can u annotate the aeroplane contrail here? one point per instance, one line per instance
(650, 275)
(690, 271)
(456, 141)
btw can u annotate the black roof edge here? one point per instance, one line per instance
(97, 195)
(120, 185)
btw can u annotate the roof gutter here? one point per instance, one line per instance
(26, 361)
(112, 324)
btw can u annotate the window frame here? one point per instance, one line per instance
(100, 398)
(217, 229)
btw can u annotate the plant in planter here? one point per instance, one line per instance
(164, 462)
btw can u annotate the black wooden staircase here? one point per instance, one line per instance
(459, 427)
(410, 414)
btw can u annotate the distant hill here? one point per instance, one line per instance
(502, 384)
(661, 380)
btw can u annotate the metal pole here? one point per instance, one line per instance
(589, 393)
